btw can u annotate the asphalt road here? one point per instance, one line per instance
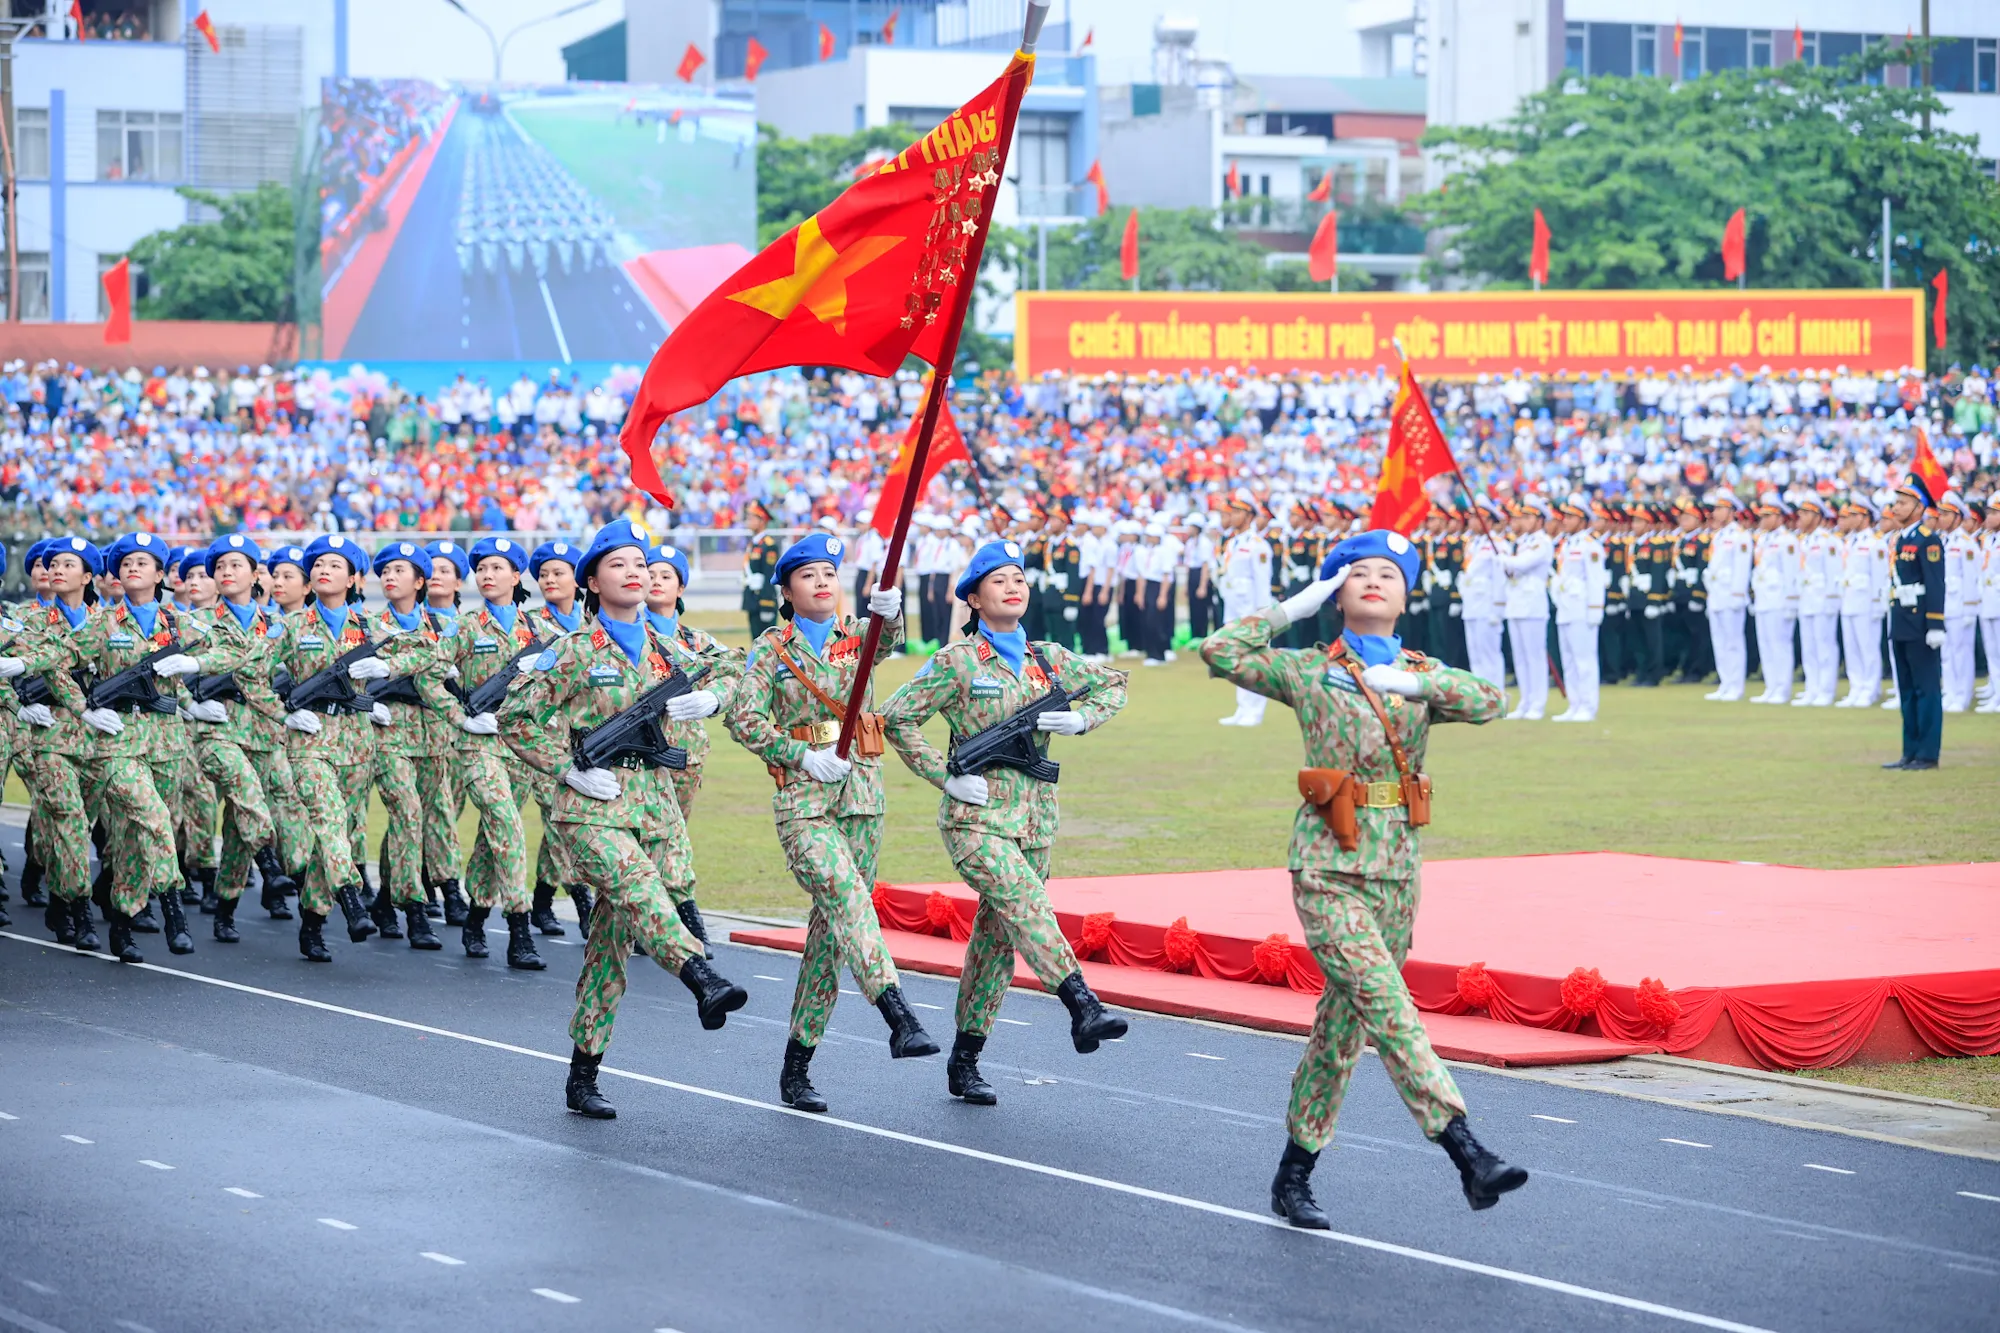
(241, 1140)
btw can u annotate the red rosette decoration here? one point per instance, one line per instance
(1475, 985)
(880, 898)
(1582, 991)
(1179, 945)
(1096, 934)
(940, 911)
(1657, 1004)
(1272, 955)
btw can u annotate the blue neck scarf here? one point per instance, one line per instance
(1012, 646)
(1374, 649)
(666, 627)
(504, 613)
(147, 614)
(568, 622)
(75, 615)
(43, 599)
(244, 613)
(407, 622)
(333, 617)
(448, 614)
(629, 635)
(816, 632)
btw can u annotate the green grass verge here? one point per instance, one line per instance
(1972, 1079)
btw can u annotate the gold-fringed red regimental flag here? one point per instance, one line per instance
(1417, 452)
(865, 282)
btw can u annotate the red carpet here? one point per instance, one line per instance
(1748, 964)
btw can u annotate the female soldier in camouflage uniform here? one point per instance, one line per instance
(198, 806)
(999, 826)
(438, 773)
(607, 817)
(787, 712)
(1356, 892)
(553, 568)
(403, 737)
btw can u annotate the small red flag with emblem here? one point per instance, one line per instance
(1798, 41)
(889, 27)
(1732, 247)
(118, 301)
(1417, 452)
(1677, 46)
(691, 60)
(947, 446)
(1323, 253)
(1128, 248)
(1233, 182)
(825, 42)
(1538, 250)
(755, 53)
(1942, 284)
(205, 25)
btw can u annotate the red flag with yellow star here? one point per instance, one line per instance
(1417, 452)
(861, 284)
(947, 446)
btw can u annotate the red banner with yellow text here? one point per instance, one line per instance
(1462, 334)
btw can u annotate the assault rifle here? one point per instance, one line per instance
(33, 690)
(330, 688)
(136, 685)
(222, 686)
(394, 690)
(488, 696)
(1010, 742)
(635, 733)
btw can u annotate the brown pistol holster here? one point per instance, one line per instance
(1331, 792)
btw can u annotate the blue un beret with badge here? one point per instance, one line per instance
(811, 549)
(194, 557)
(619, 532)
(138, 543)
(664, 554)
(333, 543)
(234, 544)
(452, 551)
(414, 554)
(1377, 543)
(35, 551)
(992, 556)
(560, 551)
(93, 559)
(295, 556)
(506, 548)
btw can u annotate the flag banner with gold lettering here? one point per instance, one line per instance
(1416, 452)
(1457, 335)
(861, 284)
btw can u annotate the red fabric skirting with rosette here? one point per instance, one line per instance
(1766, 965)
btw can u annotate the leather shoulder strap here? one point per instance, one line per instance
(1346, 657)
(832, 706)
(1048, 671)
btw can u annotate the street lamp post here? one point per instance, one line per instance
(499, 43)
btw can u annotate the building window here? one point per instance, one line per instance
(31, 142)
(1041, 157)
(34, 267)
(1645, 49)
(138, 145)
(1985, 55)
(1691, 61)
(1573, 42)
(1835, 47)
(1724, 48)
(1610, 48)
(1760, 50)
(1809, 49)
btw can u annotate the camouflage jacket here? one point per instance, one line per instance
(769, 702)
(111, 640)
(40, 636)
(693, 650)
(304, 646)
(1341, 731)
(407, 652)
(476, 646)
(256, 723)
(972, 685)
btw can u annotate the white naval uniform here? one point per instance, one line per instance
(1577, 590)
(1961, 615)
(1527, 606)
(1728, 577)
(1819, 614)
(1774, 603)
(1482, 599)
(1245, 584)
(1989, 615)
(1864, 600)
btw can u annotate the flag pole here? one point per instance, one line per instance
(892, 560)
(1471, 497)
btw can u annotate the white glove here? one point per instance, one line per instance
(381, 716)
(104, 720)
(177, 664)
(1934, 638)
(11, 667)
(36, 715)
(1062, 722)
(1387, 679)
(1069, 613)
(599, 784)
(526, 662)
(695, 703)
(303, 721)
(886, 603)
(212, 710)
(1594, 617)
(451, 673)
(967, 787)
(485, 724)
(1454, 610)
(368, 668)
(1312, 597)
(1652, 613)
(825, 766)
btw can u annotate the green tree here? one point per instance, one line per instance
(796, 178)
(239, 266)
(1637, 176)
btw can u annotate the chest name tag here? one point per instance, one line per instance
(311, 641)
(480, 646)
(119, 640)
(605, 674)
(1340, 679)
(985, 687)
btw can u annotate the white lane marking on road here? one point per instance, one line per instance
(26, 1321)
(759, 976)
(559, 1297)
(1798, 1235)
(35, 1286)
(444, 1259)
(1344, 1147)
(1968, 1268)
(132, 1326)
(77, 1138)
(1688, 1143)
(1641, 1203)
(240, 1192)
(1409, 1252)
(337, 1224)
(1552, 1119)
(157, 1166)
(1989, 1198)
(919, 1004)
(549, 302)
(1836, 1170)
(1197, 1055)
(1016, 1023)
(5, 1116)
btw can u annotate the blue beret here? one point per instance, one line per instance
(811, 549)
(35, 551)
(295, 556)
(506, 548)
(1376, 542)
(192, 557)
(234, 544)
(418, 559)
(664, 554)
(93, 559)
(992, 556)
(138, 543)
(564, 552)
(619, 532)
(333, 543)
(452, 551)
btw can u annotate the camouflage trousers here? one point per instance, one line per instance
(1359, 931)
(443, 798)
(402, 864)
(632, 905)
(552, 863)
(1014, 915)
(195, 809)
(61, 828)
(133, 792)
(833, 859)
(333, 799)
(496, 874)
(247, 823)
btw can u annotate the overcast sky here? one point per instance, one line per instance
(429, 39)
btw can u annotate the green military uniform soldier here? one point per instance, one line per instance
(404, 737)
(760, 569)
(553, 568)
(1691, 649)
(1366, 708)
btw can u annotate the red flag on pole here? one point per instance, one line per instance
(1417, 452)
(825, 42)
(1095, 176)
(1677, 47)
(76, 17)
(1323, 254)
(1089, 36)
(1942, 282)
(755, 53)
(1538, 254)
(947, 446)
(889, 27)
(1322, 191)
(205, 25)
(1128, 248)
(1233, 182)
(1732, 247)
(691, 60)
(118, 297)
(1936, 480)
(1798, 42)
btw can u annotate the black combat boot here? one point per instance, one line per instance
(715, 997)
(1291, 1189)
(225, 921)
(359, 927)
(5, 920)
(581, 1091)
(421, 934)
(31, 879)
(191, 887)
(521, 944)
(121, 939)
(143, 921)
(1484, 1176)
(312, 937)
(59, 915)
(1089, 1024)
(454, 903)
(206, 874)
(961, 1072)
(542, 915)
(472, 933)
(433, 908)
(383, 913)
(579, 895)
(691, 918)
(276, 882)
(82, 928)
(178, 939)
(906, 1035)
(795, 1085)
